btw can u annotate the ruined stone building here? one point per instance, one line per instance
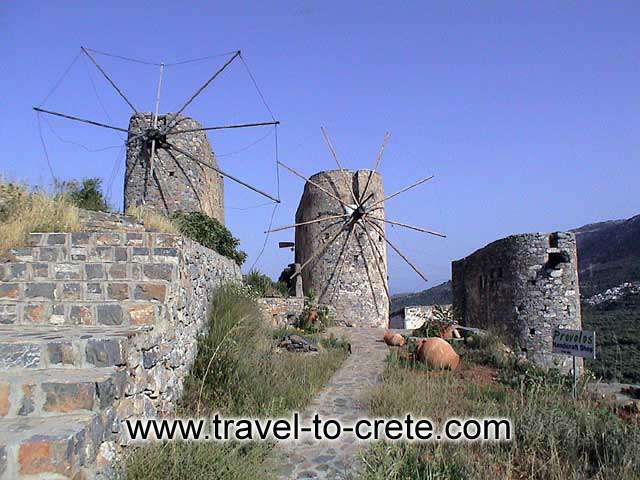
(176, 181)
(351, 274)
(523, 286)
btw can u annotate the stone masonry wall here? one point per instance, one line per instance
(135, 302)
(177, 182)
(353, 286)
(160, 364)
(524, 285)
(280, 312)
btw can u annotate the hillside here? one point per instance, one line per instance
(616, 321)
(438, 295)
(608, 254)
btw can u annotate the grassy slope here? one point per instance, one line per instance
(555, 437)
(237, 374)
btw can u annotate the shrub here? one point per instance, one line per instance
(314, 318)
(442, 317)
(209, 232)
(86, 194)
(23, 212)
(264, 286)
(286, 278)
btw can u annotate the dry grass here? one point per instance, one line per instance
(237, 373)
(554, 437)
(23, 212)
(153, 221)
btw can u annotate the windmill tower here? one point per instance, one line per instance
(352, 272)
(341, 241)
(170, 163)
(176, 182)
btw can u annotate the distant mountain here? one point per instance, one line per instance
(608, 254)
(438, 295)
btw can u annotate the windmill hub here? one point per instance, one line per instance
(155, 134)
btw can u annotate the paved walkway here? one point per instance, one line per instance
(344, 399)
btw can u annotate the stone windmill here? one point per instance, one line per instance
(341, 242)
(170, 163)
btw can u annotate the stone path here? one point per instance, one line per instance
(344, 399)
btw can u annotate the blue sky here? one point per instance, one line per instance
(528, 113)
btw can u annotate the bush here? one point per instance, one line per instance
(286, 277)
(264, 286)
(314, 318)
(86, 194)
(443, 316)
(23, 212)
(209, 232)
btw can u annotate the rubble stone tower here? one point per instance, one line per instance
(358, 293)
(177, 182)
(524, 286)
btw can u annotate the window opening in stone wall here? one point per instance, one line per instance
(556, 258)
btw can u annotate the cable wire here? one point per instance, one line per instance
(128, 59)
(71, 142)
(44, 148)
(255, 84)
(266, 236)
(199, 59)
(246, 147)
(62, 77)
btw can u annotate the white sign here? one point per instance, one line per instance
(579, 343)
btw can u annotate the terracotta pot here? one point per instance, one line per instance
(437, 354)
(393, 339)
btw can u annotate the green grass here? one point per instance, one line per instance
(555, 437)
(236, 373)
(617, 339)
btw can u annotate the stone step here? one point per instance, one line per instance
(106, 238)
(55, 447)
(92, 253)
(81, 313)
(53, 391)
(95, 290)
(87, 271)
(38, 347)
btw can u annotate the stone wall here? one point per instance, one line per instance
(160, 362)
(177, 182)
(345, 275)
(96, 328)
(525, 286)
(280, 312)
